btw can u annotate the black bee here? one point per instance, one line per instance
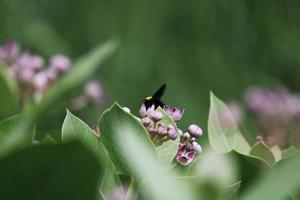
(155, 98)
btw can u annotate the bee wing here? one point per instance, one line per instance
(158, 94)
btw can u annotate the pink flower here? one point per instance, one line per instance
(175, 113)
(9, 51)
(60, 63)
(94, 92)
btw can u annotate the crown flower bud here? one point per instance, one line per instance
(9, 51)
(60, 63)
(143, 110)
(152, 130)
(185, 136)
(40, 81)
(25, 75)
(180, 132)
(145, 121)
(161, 129)
(33, 62)
(156, 116)
(175, 113)
(172, 133)
(196, 147)
(94, 92)
(195, 130)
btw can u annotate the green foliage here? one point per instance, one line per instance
(81, 70)
(67, 171)
(260, 150)
(113, 119)
(75, 128)
(223, 137)
(167, 151)
(279, 184)
(140, 158)
(8, 94)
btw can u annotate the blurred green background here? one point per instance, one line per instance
(193, 46)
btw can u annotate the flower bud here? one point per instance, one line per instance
(180, 132)
(40, 81)
(195, 130)
(177, 114)
(152, 130)
(143, 110)
(60, 63)
(9, 51)
(161, 130)
(185, 135)
(172, 133)
(196, 147)
(156, 116)
(145, 121)
(94, 92)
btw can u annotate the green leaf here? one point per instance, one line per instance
(81, 71)
(278, 184)
(221, 169)
(110, 179)
(276, 151)
(114, 117)
(8, 94)
(75, 128)
(261, 151)
(286, 153)
(158, 184)
(8, 124)
(232, 190)
(48, 172)
(48, 139)
(224, 138)
(168, 150)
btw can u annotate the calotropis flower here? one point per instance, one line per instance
(159, 132)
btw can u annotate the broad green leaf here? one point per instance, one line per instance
(223, 137)
(278, 184)
(8, 92)
(6, 128)
(286, 153)
(114, 117)
(276, 151)
(261, 151)
(159, 184)
(81, 71)
(8, 124)
(48, 172)
(220, 169)
(48, 139)
(168, 150)
(232, 190)
(110, 179)
(75, 128)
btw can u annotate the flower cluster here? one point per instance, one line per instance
(29, 70)
(93, 93)
(34, 78)
(277, 112)
(160, 132)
